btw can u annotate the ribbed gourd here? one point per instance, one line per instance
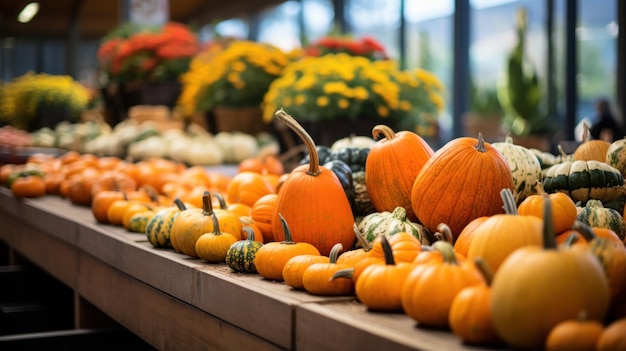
(525, 168)
(584, 180)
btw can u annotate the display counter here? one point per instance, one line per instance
(175, 302)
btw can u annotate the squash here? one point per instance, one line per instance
(295, 267)
(461, 182)
(464, 240)
(247, 188)
(563, 207)
(354, 157)
(266, 163)
(391, 167)
(262, 213)
(354, 141)
(501, 234)
(362, 205)
(379, 286)
(590, 150)
(616, 155)
(316, 278)
(159, 226)
(470, 313)
(271, 259)
(429, 289)
(612, 337)
(524, 166)
(313, 200)
(594, 214)
(584, 180)
(139, 221)
(389, 223)
(404, 245)
(240, 255)
(537, 288)
(213, 247)
(575, 334)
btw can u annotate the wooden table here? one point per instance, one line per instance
(175, 302)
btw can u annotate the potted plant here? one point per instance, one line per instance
(230, 81)
(335, 95)
(144, 63)
(520, 95)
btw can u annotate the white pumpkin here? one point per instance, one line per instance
(524, 165)
(363, 142)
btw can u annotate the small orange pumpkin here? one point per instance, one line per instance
(316, 279)
(575, 334)
(295, 267)
(612, 337)
(563, 208)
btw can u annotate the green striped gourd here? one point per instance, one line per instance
(584, 180)
(524, 165)
(389, 223)
(159, 226)
(241, 254)
(139, 221)
(594, 214)
(616, 155)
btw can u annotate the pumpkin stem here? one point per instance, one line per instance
(508, 200)
(387, 132)
(508, 139)
(447, 251)
(561, 151)
(484, 269)
(571, 240)
(207, 206)
(539, 188)
(444, 233)
(249, 232)
(366, 245)
(220, 200)
(180, 204)
(334, 252)
(585, 132)
(283, 222)
(549, 238)
(481, 143)
(343, 273)
(125, 196)
(314, 161)
(584, 229)
(388, 252)
(216, 224)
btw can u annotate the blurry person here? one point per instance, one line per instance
(605, 126)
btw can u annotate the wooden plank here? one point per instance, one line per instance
(349, 326)
(163, 321)
(8, 204)
(55, 216)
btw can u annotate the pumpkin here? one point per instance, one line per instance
(379, 286)
(104, 199)
(271, 259)
(429, 289)
(612, 338)
(525, 168)
(316, 279)
(362, 205)
(389, 223)
(584, 180)
(564, 209)
(113, 180)
(295, 267)
(246, 221)
(139, 221)
(241, 254)
(160, 225)
(262, 213)
(247, 188)
(194, 222)
(28, 186)
(595, 214)
(591, 149)
(616, 155)
(404, 245)
(267, 163)
(213, 247)
(575, 334)
(355, 141)
(461, 182)
(354, 157)
(391, 167)
(470, 313)
(537, 288)
(501, 234)
(313, 200)
(463, 241)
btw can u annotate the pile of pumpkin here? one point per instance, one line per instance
(402, 227)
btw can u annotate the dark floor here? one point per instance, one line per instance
(37, 312)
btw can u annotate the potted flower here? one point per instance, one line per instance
(147, 62)
(338, 94)
(366, 46)
(34, 101)
(230, 83)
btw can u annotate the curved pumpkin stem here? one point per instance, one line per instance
(220, 200)
(484, 270)
(561, 151)
(366, 245)
(314, 161)
(509, 201)
(334, 252)
(387, 251)
(387, 132)
(343, 273)
(585, 132)
(216, 224)
(480, 147)
(249, 232)
(584, 229)
(539, 188)
(288, 240)
(207, 205)
(549, 238)
(180, 204)
(444, 233)
(447, 251)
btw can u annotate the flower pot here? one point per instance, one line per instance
(487, 124)
(150, 93)
(247, 120)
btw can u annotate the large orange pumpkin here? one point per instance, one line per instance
(313, 201)
(461, 182)
(391, 167)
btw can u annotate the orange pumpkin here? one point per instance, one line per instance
(262, 213)
(612, 338)
(391, 167)
(247, 188)
(267, 163)
(461, 182)
(575, 334)
(462, 243)
(563, 208)
(316, 279)
(113, 180)
(313, 201)
(295, 267)
(404, 245)
(591, 149)
(28, 186)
